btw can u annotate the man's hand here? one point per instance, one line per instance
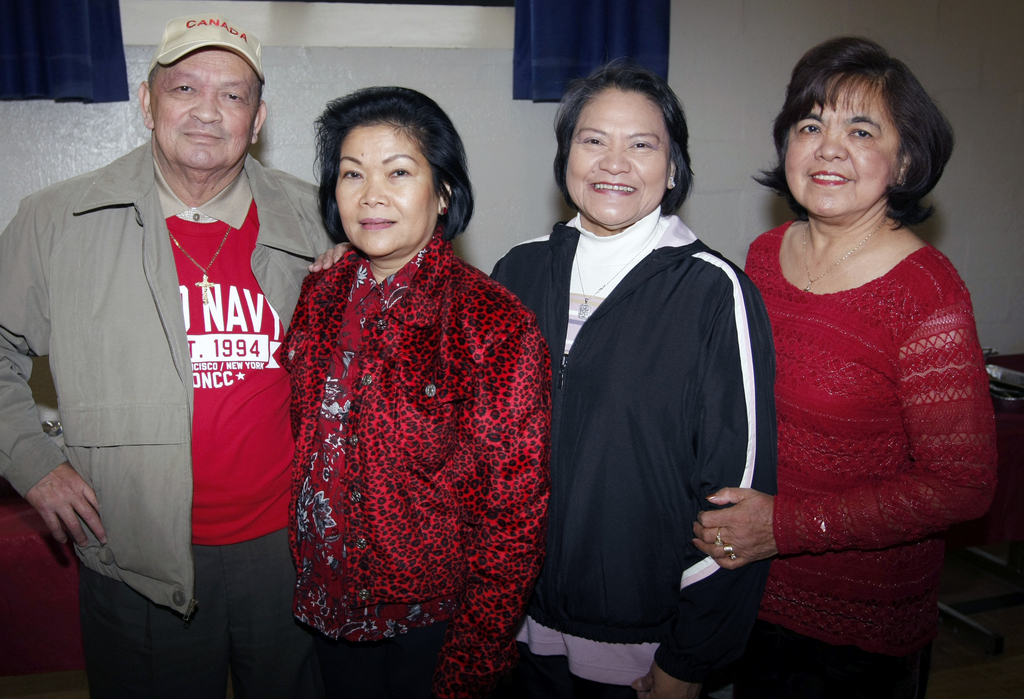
(330, 258)
(61, 497)
(658, 684)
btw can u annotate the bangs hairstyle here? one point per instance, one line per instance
(843, 69)
(423, 121)
(626, 75)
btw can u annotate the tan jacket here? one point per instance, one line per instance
(87, 276)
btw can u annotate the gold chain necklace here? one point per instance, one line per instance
(206, 284)
(836, 264)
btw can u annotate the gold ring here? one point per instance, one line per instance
(718, 538)
(729, 551)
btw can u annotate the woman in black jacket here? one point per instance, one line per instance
(663, 370)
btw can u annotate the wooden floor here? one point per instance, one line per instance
(959, 670)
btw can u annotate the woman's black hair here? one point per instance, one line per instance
(423, 121)
(832, 71)
(625, 75)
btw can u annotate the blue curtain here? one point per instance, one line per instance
(62, 50)
(557, 40)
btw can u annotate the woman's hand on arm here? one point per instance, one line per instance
(330, 257)
(746, 526)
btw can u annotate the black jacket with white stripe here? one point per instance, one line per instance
(665, 397)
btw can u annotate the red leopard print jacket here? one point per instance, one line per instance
(448, 452)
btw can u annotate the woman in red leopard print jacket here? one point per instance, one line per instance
(886, 431)
(421, 410)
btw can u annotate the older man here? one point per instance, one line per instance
(161, 286)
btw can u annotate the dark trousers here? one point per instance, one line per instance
(782, 664)
(548, 677)
(397, 668)
(134, 648)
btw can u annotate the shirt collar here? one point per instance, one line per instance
(400, 280)
(431, 268)
(231, 205)
(624, 245)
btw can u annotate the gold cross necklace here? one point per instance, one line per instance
(206, 284)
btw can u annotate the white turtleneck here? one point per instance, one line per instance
(602, 262)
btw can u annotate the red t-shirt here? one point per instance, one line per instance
(241, 437)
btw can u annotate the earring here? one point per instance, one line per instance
(671, 181)
(444, 210)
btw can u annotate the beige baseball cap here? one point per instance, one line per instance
(183, 35)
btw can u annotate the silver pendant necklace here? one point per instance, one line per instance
(584, 311)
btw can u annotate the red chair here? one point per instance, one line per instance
(40, 629)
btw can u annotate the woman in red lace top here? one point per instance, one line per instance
(886, 431)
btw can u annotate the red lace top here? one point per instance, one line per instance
(886, 435)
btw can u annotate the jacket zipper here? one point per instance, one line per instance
(190, 608)
(563, 329)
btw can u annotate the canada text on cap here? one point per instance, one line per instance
(183, 35)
